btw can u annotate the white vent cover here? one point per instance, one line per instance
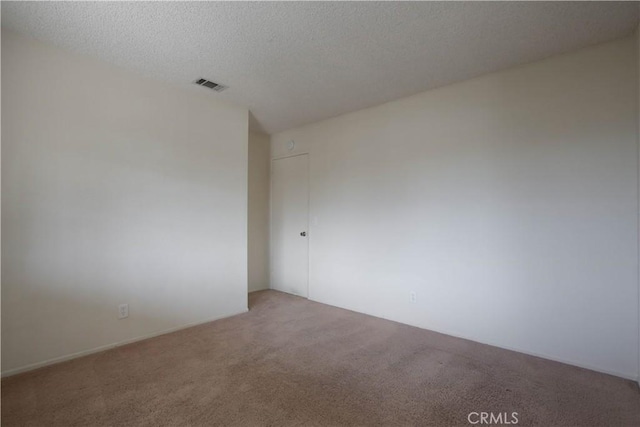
(211, 85)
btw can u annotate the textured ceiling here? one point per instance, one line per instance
(296, 63)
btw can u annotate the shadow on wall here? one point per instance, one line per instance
(254, 124)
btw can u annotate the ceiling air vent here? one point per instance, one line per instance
(211, 85)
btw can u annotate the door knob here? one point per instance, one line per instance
(304, 233)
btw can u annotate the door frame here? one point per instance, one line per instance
(308, 216)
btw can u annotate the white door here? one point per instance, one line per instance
(289, 225)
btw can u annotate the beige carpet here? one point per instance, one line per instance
(294, 362)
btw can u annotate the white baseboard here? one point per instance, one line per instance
(64, 358)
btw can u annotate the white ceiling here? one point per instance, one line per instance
(296, 63)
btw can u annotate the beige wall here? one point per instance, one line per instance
(258, 228)
(115, 189)
(507, 203)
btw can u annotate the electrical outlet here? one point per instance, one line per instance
(123, 311)
(412, 297)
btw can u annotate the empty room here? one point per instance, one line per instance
(320, 213)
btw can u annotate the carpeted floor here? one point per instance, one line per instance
(290, 361)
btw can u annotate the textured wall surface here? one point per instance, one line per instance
(507, 203)
(115, 189)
